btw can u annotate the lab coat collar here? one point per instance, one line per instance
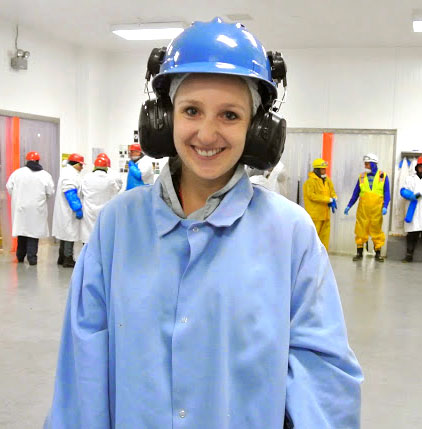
(231, 208)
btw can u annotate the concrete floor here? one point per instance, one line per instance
(382, 305)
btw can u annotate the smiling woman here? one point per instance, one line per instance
(203, 301)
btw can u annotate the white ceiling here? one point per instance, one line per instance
(278, 24)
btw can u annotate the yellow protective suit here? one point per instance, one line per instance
(317, 194)
(369, 213)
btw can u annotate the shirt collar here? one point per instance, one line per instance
(231, 208)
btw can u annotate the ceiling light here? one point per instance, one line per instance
(417, 20)
(149, 31)
(417, 26)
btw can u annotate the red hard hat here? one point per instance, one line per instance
(101, 162)
(135, 146)
(419, 161)
(104, 156)
(32, 156)
(77, 158)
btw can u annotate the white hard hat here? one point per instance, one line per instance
(370, 157)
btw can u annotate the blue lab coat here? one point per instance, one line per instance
(220, 324)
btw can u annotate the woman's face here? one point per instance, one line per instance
(211, 118)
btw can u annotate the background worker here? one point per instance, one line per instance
(112, 173)
(68, 209)
(140, 168)
(320, 198)
(98, 188)
(413, 225)
(373, 191)
(30, 187)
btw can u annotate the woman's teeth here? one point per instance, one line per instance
(207, 152)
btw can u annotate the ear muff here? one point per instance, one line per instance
(265, 140)
(156, 128)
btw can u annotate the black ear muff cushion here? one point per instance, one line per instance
(156, 128)
(264, 140)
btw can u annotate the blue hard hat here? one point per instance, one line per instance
(217, 47)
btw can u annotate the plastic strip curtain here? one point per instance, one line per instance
(43, 137)
(9, 147)
(347, 164)
(300, 150)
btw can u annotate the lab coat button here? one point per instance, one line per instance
(184, 320)
(182, 414)
(195, 229)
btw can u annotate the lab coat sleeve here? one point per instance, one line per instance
(10, 184)
(324, 377)
(81, 389)
(68, 184)
(313, 194)
(49, 189)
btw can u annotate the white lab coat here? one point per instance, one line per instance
(116, 177)
(414, 184)
(278, 179)
(65, 225)
(30, 191)
(98, 188)
(145, 167)
(399, 204)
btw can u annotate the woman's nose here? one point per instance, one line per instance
(207, 132)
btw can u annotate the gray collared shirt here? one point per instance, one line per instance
(169, 195)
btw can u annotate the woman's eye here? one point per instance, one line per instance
(191, 111)
(231, 116)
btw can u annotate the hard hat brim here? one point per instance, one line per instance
(161, 82)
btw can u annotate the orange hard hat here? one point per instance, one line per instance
(76, 158)
(33, 156)
(101, 162)
(135, 146)
(419, 161)
(104, 156)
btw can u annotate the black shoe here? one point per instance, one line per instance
(68, 262)
(20, 260)
(32, 261)
(408, 258)
(359, 254)
(60, 260)
(378, 256)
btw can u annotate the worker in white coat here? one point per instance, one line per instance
(30, 187)
(68, 209)
(112, 173)
(140, 168)
(412, 192)
(98, 188)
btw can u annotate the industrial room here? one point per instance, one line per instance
(354, 80)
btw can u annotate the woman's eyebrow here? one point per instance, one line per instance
(221, 106)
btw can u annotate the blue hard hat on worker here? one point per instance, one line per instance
(216, 47)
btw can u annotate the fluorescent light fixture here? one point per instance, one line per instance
(149, 31)
(417, 26)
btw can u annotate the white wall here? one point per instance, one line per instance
(62, 81)
(327, 88)
(97, 96)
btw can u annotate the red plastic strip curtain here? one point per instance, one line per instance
(327, 150)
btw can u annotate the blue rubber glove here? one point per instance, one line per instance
(79, 214)
(73, 199)
(384, 211)
(346, 210)
(131, 164)
(408, 194)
